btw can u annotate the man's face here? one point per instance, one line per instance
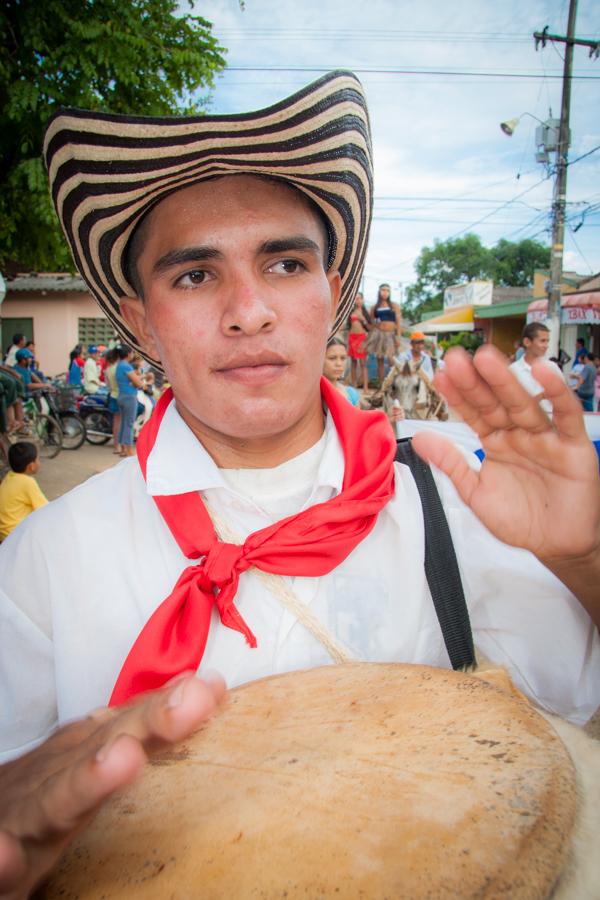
(417, 346)
(538, 345)
(237, 305)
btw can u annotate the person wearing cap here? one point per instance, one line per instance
(229, 270)
(31, 382)
(416, 356)
(91, 371)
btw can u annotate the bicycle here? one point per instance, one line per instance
(62, 406)
(4, 445)
(42, 430)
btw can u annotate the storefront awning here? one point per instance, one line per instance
(459, 319)
(591, 299)
(575, 309)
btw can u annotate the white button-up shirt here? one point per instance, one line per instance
(522, 370)
(82, 576)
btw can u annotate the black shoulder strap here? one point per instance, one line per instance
(441, 567)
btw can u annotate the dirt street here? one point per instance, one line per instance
(72, 467)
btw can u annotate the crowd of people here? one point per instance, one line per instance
(583, 377)
(119, 373)
(404, 384)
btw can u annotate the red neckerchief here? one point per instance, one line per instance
(310, 543)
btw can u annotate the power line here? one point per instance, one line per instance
(415, 70)
(571, 162)
(364, 35)
(502, 206)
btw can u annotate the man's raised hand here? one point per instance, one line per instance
(538, 487)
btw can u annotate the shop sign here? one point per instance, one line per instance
(575, 315)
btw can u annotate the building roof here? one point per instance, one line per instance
(591, 283)
(46, 282)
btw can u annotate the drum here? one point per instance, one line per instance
(349, 781)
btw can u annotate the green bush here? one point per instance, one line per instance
(470, 340)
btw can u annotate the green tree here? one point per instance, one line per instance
(515, 263)
(463, 259)
(124, 56)
(448, 262)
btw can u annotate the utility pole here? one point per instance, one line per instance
(560, 183)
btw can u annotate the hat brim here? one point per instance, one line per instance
(107, 171)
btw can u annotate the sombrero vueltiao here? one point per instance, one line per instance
(106, 171)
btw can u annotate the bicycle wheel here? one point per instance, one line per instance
(98, 427)
(47, 436)
(4, 446)
(73, 431)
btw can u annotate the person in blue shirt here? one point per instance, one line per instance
(31, 381)
(581, 351)
(128, 381)
(76, 363)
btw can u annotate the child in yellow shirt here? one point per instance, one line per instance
(20, 493)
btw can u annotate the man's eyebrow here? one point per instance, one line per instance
(185, 255)
(287, 244)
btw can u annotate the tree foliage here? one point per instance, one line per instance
(124, 56)
(463, 259)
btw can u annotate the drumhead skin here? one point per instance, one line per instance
(353, 781)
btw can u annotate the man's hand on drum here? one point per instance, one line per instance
(538, 487)
(51, 793)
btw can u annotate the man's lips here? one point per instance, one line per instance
(253, 369)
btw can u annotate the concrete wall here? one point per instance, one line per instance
(55, 323)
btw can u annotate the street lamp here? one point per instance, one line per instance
(546, 134)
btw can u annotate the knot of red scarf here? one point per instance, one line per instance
(310, 543)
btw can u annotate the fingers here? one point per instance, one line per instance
(441, 453)
(51, 792)
(486, 394)
(567, 414)
(170, 714)
(70, 796)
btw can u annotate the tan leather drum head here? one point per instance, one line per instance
(366, 780)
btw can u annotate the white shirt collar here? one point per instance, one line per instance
(178, 463)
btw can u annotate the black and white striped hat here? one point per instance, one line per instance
(107, 171)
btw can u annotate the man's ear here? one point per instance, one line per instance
(133, 311)
(335, 288)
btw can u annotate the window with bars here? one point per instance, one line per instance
(96, 331)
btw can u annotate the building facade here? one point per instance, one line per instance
(57, 312)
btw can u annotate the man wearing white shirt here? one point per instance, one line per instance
(91, 371)
(232, 284)
(535, 340)
(18, 342)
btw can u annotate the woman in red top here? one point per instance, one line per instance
(359, 323)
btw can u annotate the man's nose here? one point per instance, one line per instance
(247, 311)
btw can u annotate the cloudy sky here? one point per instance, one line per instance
(439, 78)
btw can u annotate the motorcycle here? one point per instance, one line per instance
(98, 419)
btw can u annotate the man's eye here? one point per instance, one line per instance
(287, 266)
(192, 278)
